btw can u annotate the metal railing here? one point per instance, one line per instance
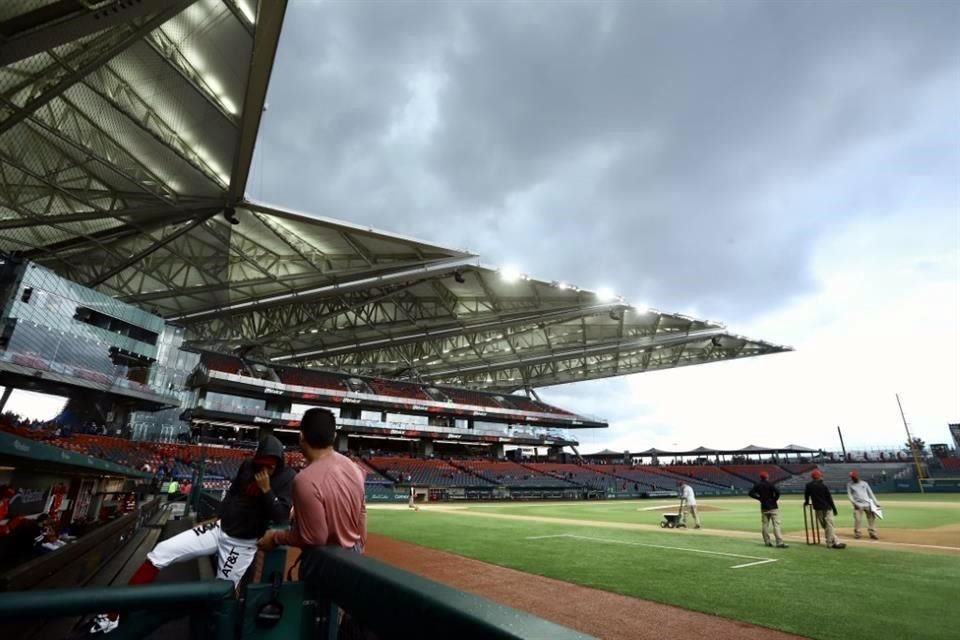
(211, 604)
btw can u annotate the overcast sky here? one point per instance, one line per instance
(789, 168)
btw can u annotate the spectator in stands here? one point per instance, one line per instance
(259, 494)
(328, 497)
(818, 494)
(864, 502)
(768, 495)
(689, 499)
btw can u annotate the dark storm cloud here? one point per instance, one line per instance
(683, 153)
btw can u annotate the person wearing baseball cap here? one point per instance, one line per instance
(260, 493)
(768, 494)
(818, 494)
(864, 502)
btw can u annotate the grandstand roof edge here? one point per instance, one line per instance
(292, 214)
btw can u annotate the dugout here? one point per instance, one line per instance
(67, 491)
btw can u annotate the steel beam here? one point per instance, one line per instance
(76, 24)
(77, 74)
(266, 38)
(170, 53)
(451, 330)
(87, 216)
(201, 217)
(352, 282)
(579, 352)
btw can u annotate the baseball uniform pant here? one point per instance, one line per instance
(768, 519)
(692, 510)
(826, 523)
(858, 514)
(234, 555)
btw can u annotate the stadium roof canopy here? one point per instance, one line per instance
(127, 130)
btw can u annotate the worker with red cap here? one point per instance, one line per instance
(768, 494)
(818, 494)
(864, 502)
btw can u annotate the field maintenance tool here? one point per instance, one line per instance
(671, 521)
(811, 526)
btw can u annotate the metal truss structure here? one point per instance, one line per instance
(127, 130)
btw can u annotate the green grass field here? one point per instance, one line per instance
(864, 591)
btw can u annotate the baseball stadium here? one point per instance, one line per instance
(195, 332)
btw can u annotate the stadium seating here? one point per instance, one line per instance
(583, 475)
(397, 389)
(796, 469)
(647, 480)
(511, 474)
(835, 476)
(222, 363)
(433, 473)
(751, 472)
(466, 396)
(523, 403)
(223, 462)
(708, 474)
(311, 378)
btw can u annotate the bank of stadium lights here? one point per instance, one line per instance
(605, 294)
(512, 274)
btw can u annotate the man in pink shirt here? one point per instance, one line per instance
(328, 495)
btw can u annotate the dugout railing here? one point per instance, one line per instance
(387, 601)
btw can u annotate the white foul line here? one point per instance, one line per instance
(751, 564)
(660, 546)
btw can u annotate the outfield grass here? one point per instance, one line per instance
(860, 592)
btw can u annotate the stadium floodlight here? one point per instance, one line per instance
(605, 294)
(510, 274)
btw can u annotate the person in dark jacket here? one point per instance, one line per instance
(817, 494)
(260, 494)
(768, 494)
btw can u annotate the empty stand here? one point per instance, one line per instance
(707, 474)
(311, 378)
(584, 476)
(433, 473)
(397, 389)
(524, 403)
(466, 396)
(511, 474)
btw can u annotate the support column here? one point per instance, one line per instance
(498, 451)
(340, 443)
(352, 413)
(6, 396)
